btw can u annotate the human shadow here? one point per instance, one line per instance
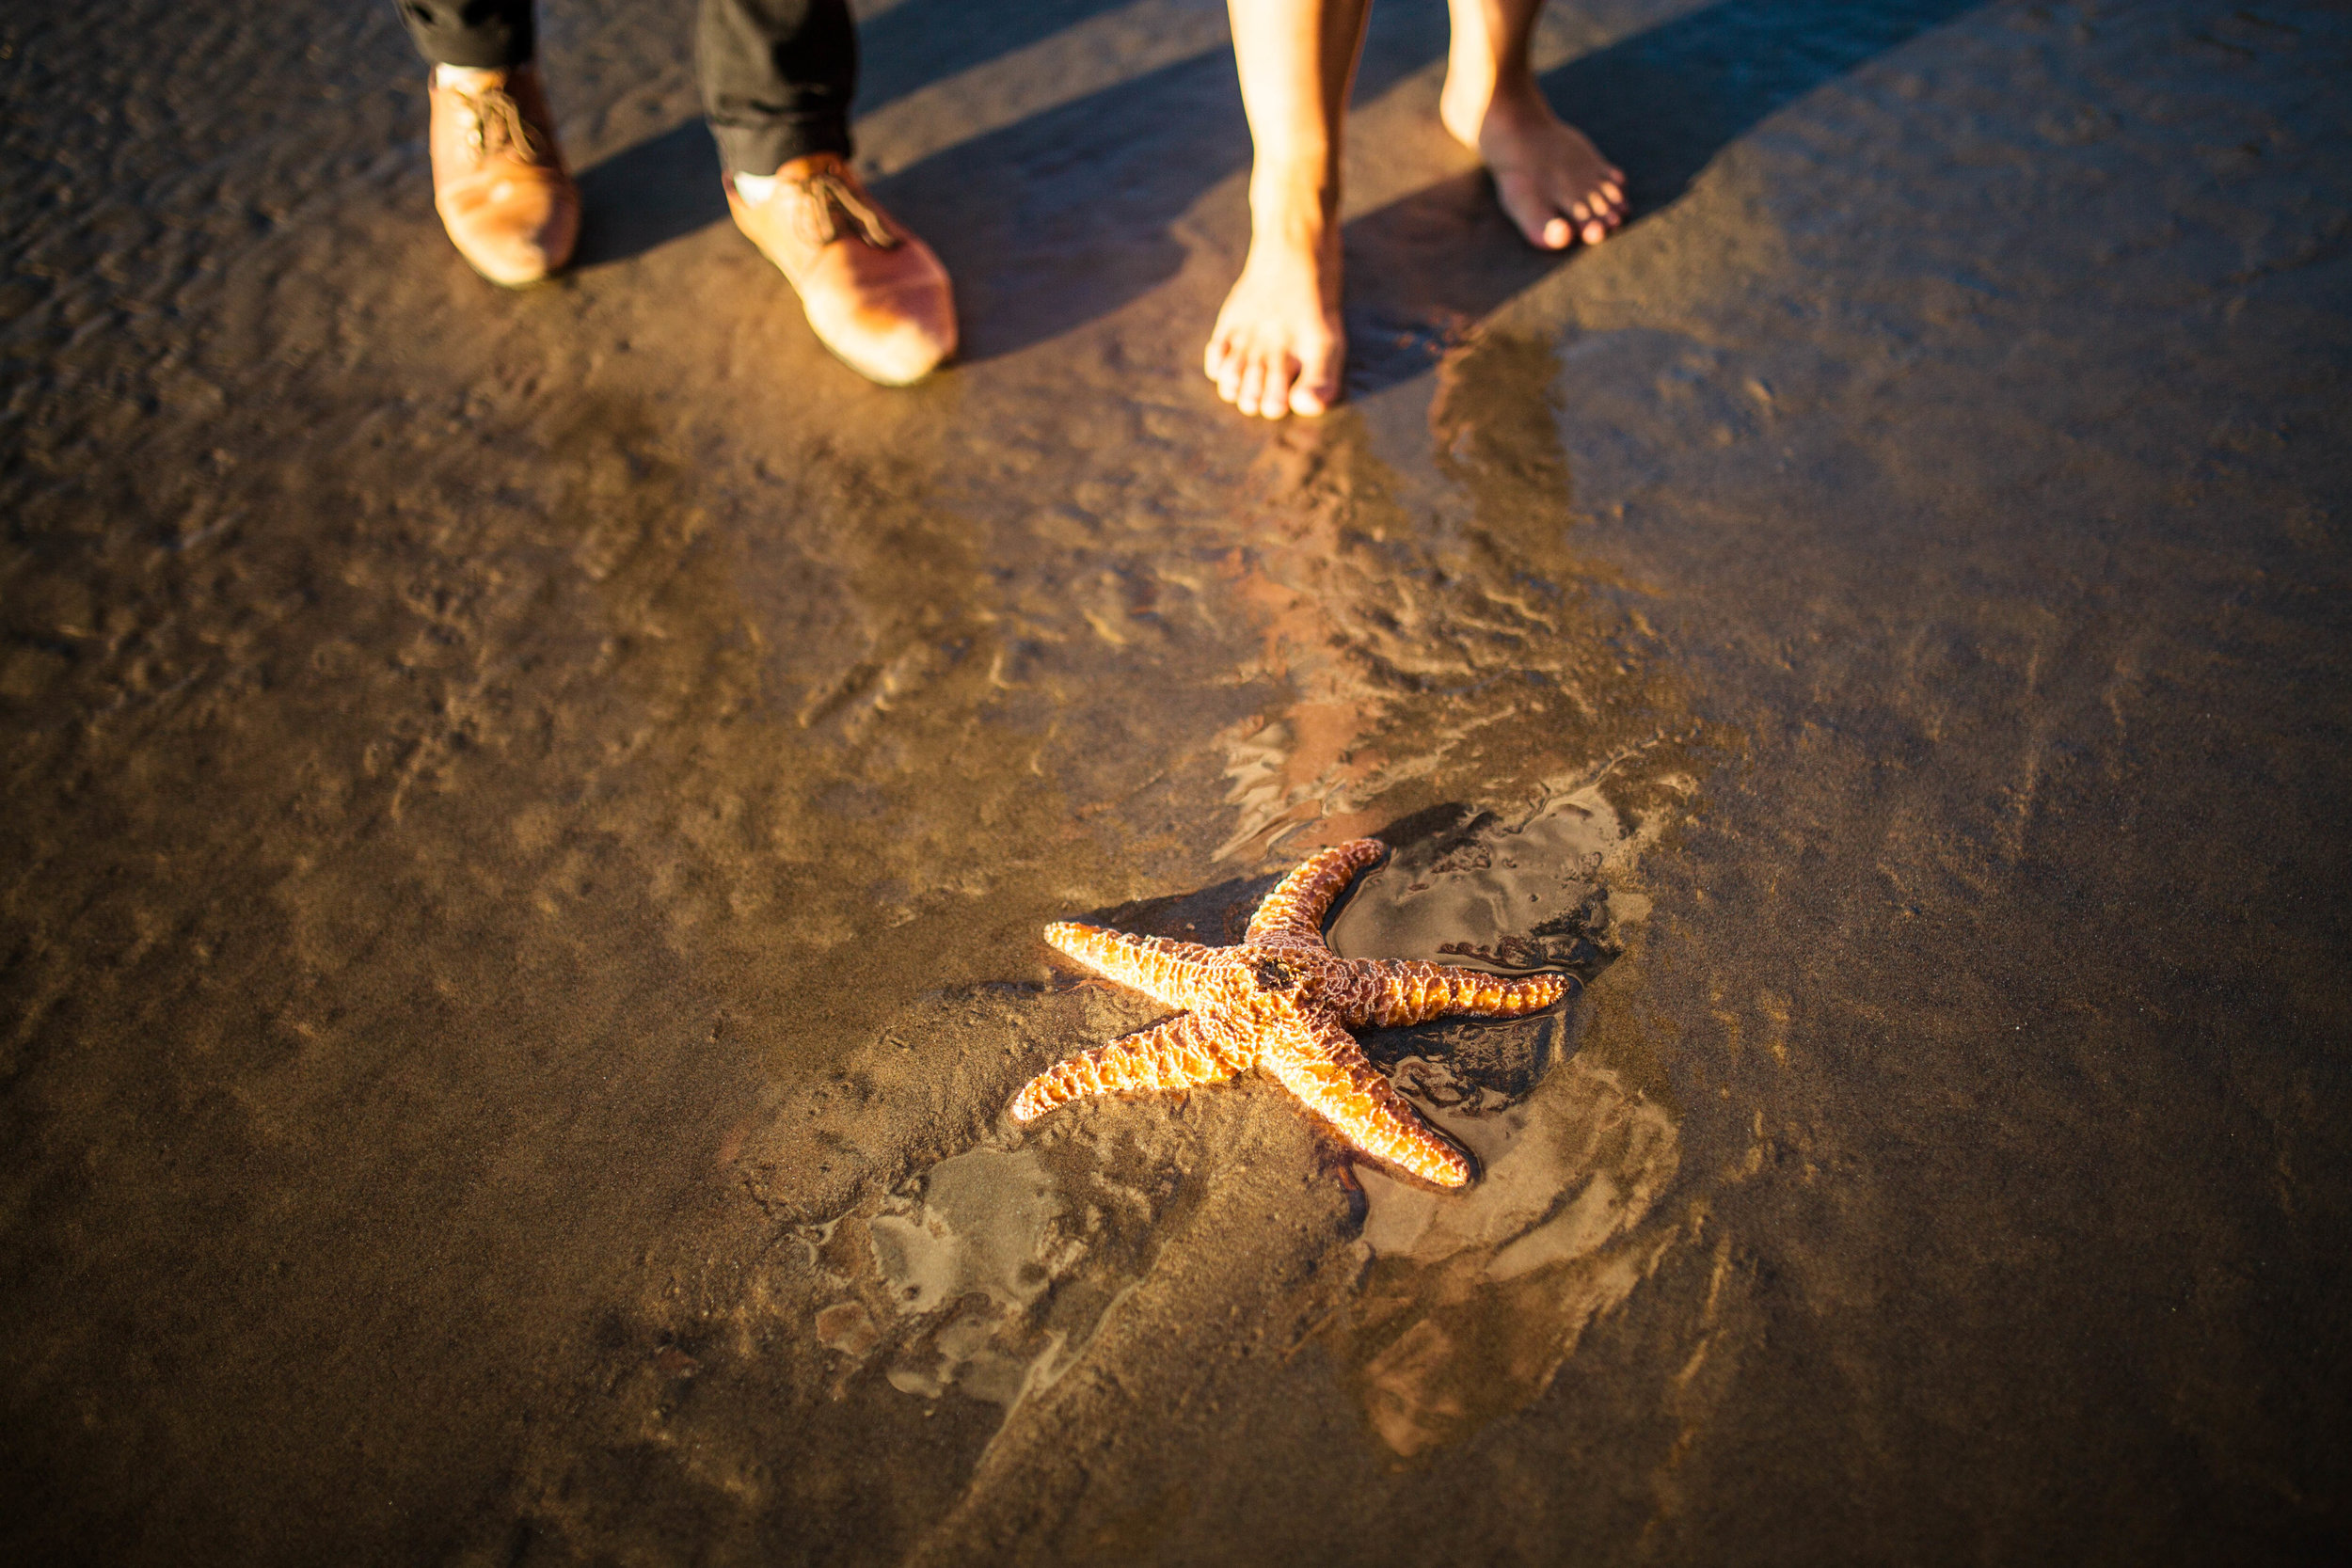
(1662, 104)
(668, 185)
(1066, 216)
(917, 43)
(642, 198)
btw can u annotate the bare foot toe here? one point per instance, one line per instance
(1318, 384)
(1241, 352)
(1277, 347)
(1274, 401)
(1252, 386)
(1553, 184)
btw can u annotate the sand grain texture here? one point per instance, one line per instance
(530, 815)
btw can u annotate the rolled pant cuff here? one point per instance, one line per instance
(761, 149)
(444, 34)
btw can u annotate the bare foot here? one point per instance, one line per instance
(1554, 185)
(1278, 346)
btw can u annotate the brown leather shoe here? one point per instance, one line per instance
(498, 180)
(875, 294)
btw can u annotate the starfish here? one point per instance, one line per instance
(1283, 1002)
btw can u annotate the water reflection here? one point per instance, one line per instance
(1440, 667)
(990, 1273)
(1430, 631)
(1469, 1303)
(1467, 1311)
(1506, 896)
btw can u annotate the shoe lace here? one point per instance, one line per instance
(831, 197)
(498, 123)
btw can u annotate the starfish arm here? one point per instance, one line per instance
(1167, 971)
(1320, 1063)
(1296, 908)
(1394, 991)
(1176, 1054)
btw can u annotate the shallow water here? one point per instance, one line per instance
(530, 815)
(989, 1272)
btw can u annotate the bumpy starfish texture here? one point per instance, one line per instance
(1283, 1002)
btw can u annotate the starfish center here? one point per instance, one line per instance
(1277, 975)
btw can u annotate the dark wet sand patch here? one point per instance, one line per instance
(530, 815)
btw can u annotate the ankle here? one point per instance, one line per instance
(1477, 87)
(1294, 201)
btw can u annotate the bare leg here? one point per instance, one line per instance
(1554, 185)
(1277, 347)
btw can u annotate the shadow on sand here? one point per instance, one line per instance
(1662, 104)
(667, 186)
(642, 198)
(1065, 216)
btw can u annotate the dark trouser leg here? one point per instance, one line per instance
(481, 34)
(777, 77)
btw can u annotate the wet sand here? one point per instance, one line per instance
(530, 815)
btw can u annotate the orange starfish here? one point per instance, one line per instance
(1282, 1000)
